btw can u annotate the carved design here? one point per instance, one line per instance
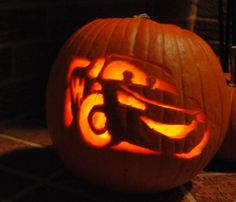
(85, 103)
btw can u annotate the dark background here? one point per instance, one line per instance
(32, 32)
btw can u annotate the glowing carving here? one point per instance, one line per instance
(134, 76)
(170, 130)
(74, 90)
(128, 147)
(156, 103)
(97, 140)
(131, 101)
(99, 121)
(96, 68)
(68, 115)
(84, 99)
(78, 62)
(96, 87)
(197, 150)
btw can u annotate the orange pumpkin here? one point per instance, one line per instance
(227, 150)
(134, 105)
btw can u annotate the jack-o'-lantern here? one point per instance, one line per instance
(134, 105)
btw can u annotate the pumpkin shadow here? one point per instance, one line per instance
(42, 168)
(221, 165)
(32, 163)
(173, 195)
(101, 194)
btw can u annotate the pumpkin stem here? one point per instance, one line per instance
(142, 15)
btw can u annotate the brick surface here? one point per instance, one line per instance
(208, 8)
(215, 188)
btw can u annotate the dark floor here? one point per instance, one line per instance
(30, 171)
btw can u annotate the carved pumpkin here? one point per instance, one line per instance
(134, 105)
(227, 150)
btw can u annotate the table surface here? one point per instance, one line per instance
(30, 170)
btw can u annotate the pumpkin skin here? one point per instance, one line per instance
(227, 150)
(196, 93)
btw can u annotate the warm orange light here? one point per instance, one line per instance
(92, 122)
(162, 85)
(87, 133)
(77, 87)
(131, 101)
(156, 103)
(201, 117)
(197, 150)
(73, 96)
(96, 68)
(74, 90)
(68, 116)
(99, 120)
(116, 71)
(78, 62)
(131, 148)
(173, 131)
(96, 87)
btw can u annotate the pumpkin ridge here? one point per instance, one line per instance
(181, 81)
(95, 37)
(221, 135)
(112, 37)
(198, 72)
(144, 27)
(149, 59)
(163, 44)
(133, 49)
(181, 70)
(218, 87)
(111, 31)
(190, 45)
(162, 97)
(86, 43)
(151, 41)
(176, 43)
(74, 38)
(136, 36)
(132, 52)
